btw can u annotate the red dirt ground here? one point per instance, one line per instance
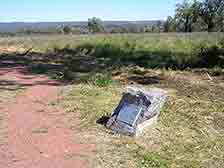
(37, 136)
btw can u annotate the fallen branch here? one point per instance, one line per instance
(25, 53)
(210, 78)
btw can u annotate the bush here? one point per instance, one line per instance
(211, 56)
(67, 30)
(101, 80)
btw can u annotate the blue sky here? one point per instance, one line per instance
(81, 10)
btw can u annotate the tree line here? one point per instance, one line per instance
(190, 16)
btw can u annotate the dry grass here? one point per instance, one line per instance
(190, 132)
(2, 129)
(7, 90)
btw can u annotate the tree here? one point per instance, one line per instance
(211, 12)
(221, 17)
(186, 15)
(67, 29)
(148, 29)
(197, 15)
(159, 25)
(95, 25)
(220, 21)
(28, 31)
(169, 25)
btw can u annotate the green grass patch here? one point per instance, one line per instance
(152, 160)
(101, 80)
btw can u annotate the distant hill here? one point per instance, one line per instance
(16, 26)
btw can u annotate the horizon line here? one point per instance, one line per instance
(112, 20)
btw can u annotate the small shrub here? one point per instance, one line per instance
(101, 80)
(153, 160)
(38, 69)
(217, 71)
(212, 56)
(221, 42)
(209, 55)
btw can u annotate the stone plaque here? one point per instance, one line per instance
(137, 110)
(129, 113)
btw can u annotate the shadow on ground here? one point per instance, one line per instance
(103, 120)
(84, 61)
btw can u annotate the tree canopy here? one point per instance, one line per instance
(95, 25)
(198, 16)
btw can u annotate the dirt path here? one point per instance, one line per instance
(36, 133)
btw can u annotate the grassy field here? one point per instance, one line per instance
(190, 132)
(176, 51)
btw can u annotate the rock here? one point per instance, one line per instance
(137, 110)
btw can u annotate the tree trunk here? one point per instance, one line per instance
(210, 26)
(222, 25)
(186, 26)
